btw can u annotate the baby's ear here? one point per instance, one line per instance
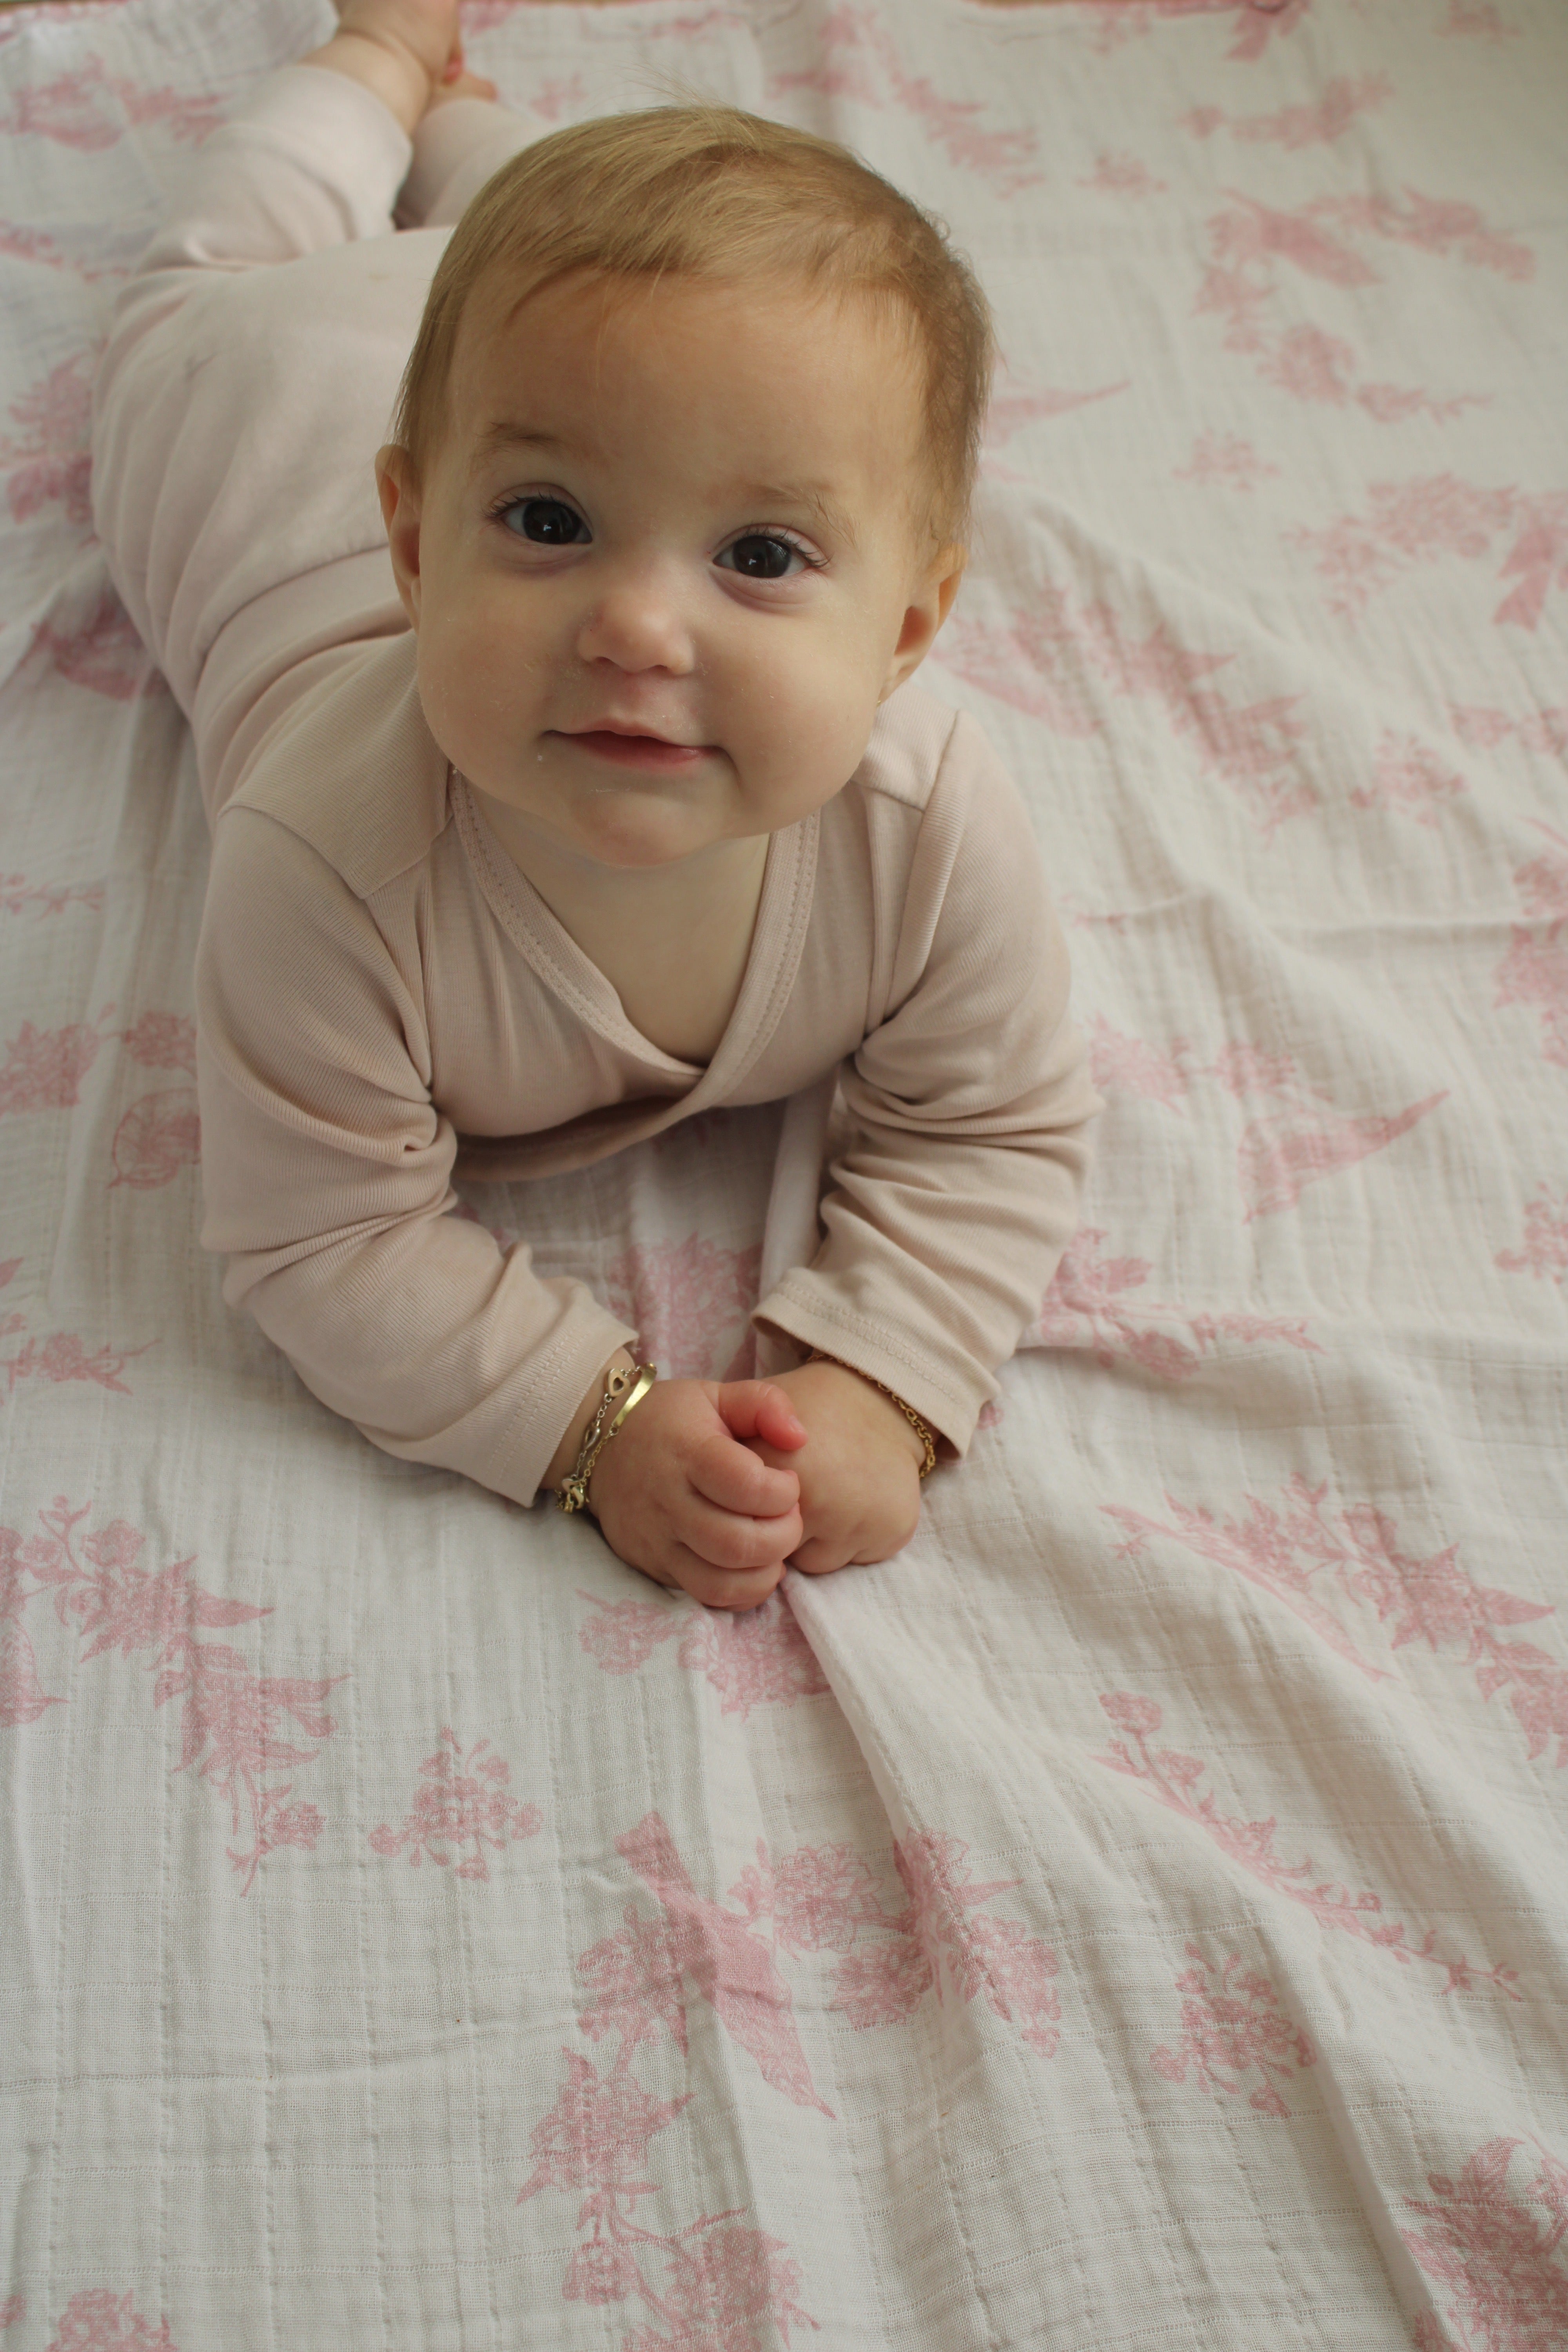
(397, 484)
(928, 609)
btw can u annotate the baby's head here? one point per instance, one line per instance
(680, 476)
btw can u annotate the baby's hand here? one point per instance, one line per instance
(860, 1469)
(679, 1493)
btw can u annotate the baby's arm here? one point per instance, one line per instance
(956, 1189)
(326, 1171)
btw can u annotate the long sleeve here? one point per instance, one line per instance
(325, 1175)
(969, 1108)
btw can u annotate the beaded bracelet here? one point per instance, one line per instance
(819, 1356)
(572, 1492)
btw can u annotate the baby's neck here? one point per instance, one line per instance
(672, 940)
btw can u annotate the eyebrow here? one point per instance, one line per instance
(811, 498)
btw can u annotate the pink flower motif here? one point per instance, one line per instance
(758, 1657)
(689, 1300)
(731, 1968)
(12, 2311)
(1084, 1308)
(1280, 1154)
(49, 464)
(1291, 127)
(48, 897)
(626, 1633)
(1232, 2024)
(1535, 969)
(463, 1799)
(596, 2136)
(94, 646)
(23, 1697)
(599, 2273)
(855, 49)
(159, 1135)
(1492, 2254)
(1225, 460)
(1545, 1250)
(1123, 175)
(1170, 1778)
(725, 2287)
(98, 2320)
(884, 1984)
(43, 1068)
(1476, 20)
(1055, 663)
(821, 1898)
(1408, 774)
(89, 109)
(163, 1041)
(1433, 516)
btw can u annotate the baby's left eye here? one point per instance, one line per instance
(764, 555)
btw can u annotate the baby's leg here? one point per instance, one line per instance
(246, 385)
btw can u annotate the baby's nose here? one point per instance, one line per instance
(638, 623)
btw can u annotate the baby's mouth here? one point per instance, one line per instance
(631, 748)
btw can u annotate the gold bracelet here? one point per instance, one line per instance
(819, 1356)
(572, 1492)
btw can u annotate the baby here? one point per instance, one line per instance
(615, 803)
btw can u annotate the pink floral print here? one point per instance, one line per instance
(1476, 20)
(825, 1898)
(1055, 661)
(637, 1974)
(1123, 175)
(61, 1356)
(1535, 970)
(1544, 1252)
(1540, 730)
(1172, 1777)
(1232, 2026)
(98, 2320)
(861, 63)
(88, 109)
(45, 1067)
(688, 1301)
(96, 646)
(462, 1800)
(1327, 118)
(1498, 2259)
(1436, 515)
(1226, 461)
(1408, 774)
(12, 2311)
(1084, 1308)
(231, 1717)
(758, 1658)
(1253, 27)
(48, 897)
(726, 2287)
(1303, 1139)
(1432, 1599)
(50, 465)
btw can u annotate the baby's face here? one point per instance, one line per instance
(665, 562)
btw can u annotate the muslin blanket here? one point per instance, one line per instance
(1136, 1917)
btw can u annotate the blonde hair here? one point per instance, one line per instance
(709, 192)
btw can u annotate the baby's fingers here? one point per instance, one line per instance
(757, 1409)
(730, 1476)
(731, 1540)
(720, 1588)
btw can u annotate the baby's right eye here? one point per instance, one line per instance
(548, 522)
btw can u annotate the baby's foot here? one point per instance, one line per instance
(398, 48)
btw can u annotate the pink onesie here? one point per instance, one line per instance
(384, 1002)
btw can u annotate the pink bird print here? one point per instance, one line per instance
(733, 1969)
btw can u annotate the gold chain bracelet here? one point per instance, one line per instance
(572, 1492)
(819, 1356)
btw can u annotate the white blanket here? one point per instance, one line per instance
(1138, 1915)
